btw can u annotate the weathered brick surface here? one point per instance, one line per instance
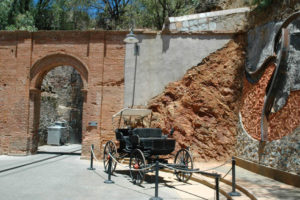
(27, 57)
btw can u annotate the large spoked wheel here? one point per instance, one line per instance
(109, 149)
(184, 161)
(137, 161)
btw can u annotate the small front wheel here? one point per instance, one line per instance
(183, 160)
(110, 149)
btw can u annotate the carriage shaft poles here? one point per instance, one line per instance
(156, 197)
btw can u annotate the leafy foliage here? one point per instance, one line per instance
(16, 15)
(23, 22)
(86, 14)
(154, 13)
(4, 10)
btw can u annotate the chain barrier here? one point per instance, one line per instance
(92, 150)
(163, 165)
(228, 161)
(227, 173)
(176, 169)
(171, 167)
(127, 167)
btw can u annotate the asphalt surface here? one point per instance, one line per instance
(65, 177)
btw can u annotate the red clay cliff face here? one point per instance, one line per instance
(203, 107)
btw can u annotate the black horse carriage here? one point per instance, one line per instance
(143, 146)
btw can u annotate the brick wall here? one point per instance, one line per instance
(25, 59)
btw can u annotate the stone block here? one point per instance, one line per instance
(202, 20)
(184, 29)
(185, 24)
(178, 25)
(193, 22)
(172, 26)
(212, 26)
(194, 28)
(203, 27)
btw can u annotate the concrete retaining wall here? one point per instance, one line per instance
(163, 59)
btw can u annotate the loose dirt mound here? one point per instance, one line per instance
(203, 106)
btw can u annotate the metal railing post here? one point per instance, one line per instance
(217, 187)
(109, 181)
(92, 158)
(156, 197)
(233, 193)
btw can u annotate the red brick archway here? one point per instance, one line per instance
(26, 57)
(37, 74)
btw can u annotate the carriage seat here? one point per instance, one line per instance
(147, 132)
(122, 132)
(124, 136)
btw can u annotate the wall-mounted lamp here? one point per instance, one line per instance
(131, 39)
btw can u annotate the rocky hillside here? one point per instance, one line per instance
(61, 99)
(203, 106)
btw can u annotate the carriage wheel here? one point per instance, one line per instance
(184, 160)
(109, 149)
(137, 161)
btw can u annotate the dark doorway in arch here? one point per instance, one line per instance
(61, 100)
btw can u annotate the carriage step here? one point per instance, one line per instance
(125, 161)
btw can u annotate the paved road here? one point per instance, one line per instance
(66, 178)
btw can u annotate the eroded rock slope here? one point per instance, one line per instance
(203, 106)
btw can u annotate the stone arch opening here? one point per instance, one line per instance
(37, 74)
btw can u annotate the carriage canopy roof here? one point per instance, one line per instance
(133, 112)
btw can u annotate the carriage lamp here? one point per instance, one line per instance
(131, 39)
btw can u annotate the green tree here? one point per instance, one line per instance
(154, 12)
(84, 14)
(18, 7)
(23, 22)
(111, 13)
(4, 10)
(19, 15)
(43, 14)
